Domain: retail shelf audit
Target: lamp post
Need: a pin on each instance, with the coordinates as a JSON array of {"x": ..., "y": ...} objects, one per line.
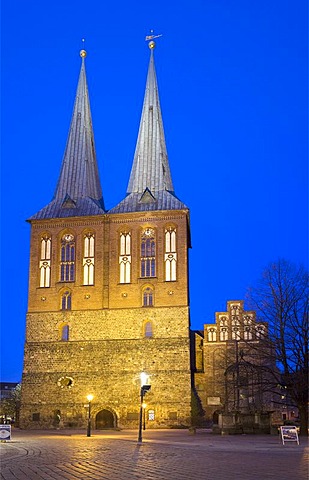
[
  {"x": 144, "y": 415},
  {"x": 144, "y": 388},
  {"x": 89, "y": 398}
]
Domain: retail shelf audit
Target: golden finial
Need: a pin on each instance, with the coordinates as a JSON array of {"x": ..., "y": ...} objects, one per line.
[
  {"x": 83, "y": 52},
  {"x": 150, "y": 37}
]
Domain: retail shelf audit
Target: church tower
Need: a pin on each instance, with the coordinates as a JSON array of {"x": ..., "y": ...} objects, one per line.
[{"x": 108, "y": 290}]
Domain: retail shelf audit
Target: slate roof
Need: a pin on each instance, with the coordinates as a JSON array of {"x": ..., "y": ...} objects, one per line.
[
  {"x": 78, "y": 192},
  {"x": 150, "y": 185}
]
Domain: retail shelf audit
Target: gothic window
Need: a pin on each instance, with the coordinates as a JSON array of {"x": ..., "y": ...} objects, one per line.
[
  {"x": 247, "y": 333},
  {"x": 125, "y": 257},
  {"x": 88, "y": 259},
  {"x": 45, "y": 259},
  {"x": 247, "y": 320},
  {"x": 170, "y": 256},
  {"x": 66, "y": 301},
  {"x": 223, "y": 334},
  {"x": 260, "y": 331},
  {"x": 148, "y": 329},
  {"x": 212, "y": 335},
  {"x": 223, "y": 321},
  {"x": 65, "y": 333},
  {"x": 235, "y": 333},
  {"x": 67, "y": 258},
  {"x": 148, "y": 253},
  {"x": 148, "y": 297}
]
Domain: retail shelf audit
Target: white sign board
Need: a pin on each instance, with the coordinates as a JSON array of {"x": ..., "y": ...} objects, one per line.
[
  {"x": 5, "y": 432},
  {"x": 289, "y": 434}
]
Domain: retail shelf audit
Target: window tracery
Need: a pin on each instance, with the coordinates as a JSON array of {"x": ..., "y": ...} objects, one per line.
[
  {"x": 125, "y": 257},
  {"x": 67, "y": 258},
  {"x": 45, "y": 261},
  {"x": 170, "y": 256},
  {"x": 148, "y": 253},
  {"x": 88, "y": 259}
]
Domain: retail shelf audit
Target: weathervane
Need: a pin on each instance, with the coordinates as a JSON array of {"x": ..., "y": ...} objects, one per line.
[
  {"x": 150, "y": 37},
  {"x": 83, "y": 52}
]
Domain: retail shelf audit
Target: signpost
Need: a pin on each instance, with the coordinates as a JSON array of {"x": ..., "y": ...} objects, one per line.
[
  {"x": 289, "y": 434},
  {"x": 5, "y": 433}
]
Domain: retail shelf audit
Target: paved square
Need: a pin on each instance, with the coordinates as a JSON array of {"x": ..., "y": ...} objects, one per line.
[{"x": 163, "y": 455}]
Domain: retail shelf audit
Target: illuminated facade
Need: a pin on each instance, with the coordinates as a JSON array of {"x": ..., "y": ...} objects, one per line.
[{"x": 108, "y": 290}]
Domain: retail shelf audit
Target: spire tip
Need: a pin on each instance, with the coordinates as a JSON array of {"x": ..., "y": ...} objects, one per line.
[{"x": 83, "y": 53}]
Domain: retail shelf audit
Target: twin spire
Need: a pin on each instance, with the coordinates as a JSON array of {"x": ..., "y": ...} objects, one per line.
[{"x": 78, "y": 191}]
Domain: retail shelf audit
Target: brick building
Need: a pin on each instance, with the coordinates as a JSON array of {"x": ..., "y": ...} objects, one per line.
[
  {"x": 108, "y": 290},
  {"x": 232, "y": 364}
]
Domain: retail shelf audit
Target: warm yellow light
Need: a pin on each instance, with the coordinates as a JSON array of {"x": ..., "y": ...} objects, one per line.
[
  {"x": 144, "y": 405},
  {"x": 89, "y": 398},
  {"x": 144, "y": 378}
]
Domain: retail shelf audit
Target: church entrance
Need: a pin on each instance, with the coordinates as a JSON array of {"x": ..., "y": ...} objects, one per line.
[{"x": 104, "y": 419}]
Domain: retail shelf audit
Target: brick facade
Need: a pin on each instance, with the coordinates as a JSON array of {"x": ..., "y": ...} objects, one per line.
[{"x": 107, "y": 348}]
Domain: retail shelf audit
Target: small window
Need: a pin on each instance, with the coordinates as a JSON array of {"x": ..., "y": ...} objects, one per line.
[
  {"x": 148, "y": 329},
  {"x": 66, "y": 301},
  {"x": 148, "y": 297},
  {"x": 35, "y": 417},
  {"x": 65, "y": 333}
]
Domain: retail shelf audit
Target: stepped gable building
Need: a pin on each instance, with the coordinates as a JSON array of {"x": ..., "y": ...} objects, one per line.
[
  {"x": 231, "y": 363},
  {"x": 108, "y": 290}
]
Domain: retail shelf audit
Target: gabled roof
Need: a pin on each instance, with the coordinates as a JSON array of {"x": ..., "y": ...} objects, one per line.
[
  {"x": 78, "y": 191},
  {"x": 150, "y": 185}
]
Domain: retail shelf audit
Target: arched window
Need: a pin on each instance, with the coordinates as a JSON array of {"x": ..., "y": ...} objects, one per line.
[
  {"x": 223, "y": 334},
  {"x": 235, "y": 333},
  {"x": 260, "y": 331},
  {"x": 148, "y": 253},
  {"x": 148, "y": 329},
  {"x": 67, "y": 258},
  {"x": 247, "y": 333},
  {"x": 212, "y": 335},
  {"x": 45, "y": 259},
  {"x": 65, "y": 333},
  {"x": 170, "y": 256},
  {"x": 148, "y": 297},
  {"x": 125, "y": 257},
  {"x": 66, "y": 301},
  {"x": 88, "y": 259}
]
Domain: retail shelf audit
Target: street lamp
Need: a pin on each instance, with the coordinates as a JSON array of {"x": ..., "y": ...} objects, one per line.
[
  {"x": 89, "y": 398},
  {"x": 144, "y": 389}
]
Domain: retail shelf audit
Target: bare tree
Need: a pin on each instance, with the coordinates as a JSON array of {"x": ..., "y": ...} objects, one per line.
[{"x": 280, "y": 298}]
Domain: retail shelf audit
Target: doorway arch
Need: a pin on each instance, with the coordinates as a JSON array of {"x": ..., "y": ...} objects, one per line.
[{"x": 104, "y": 419}]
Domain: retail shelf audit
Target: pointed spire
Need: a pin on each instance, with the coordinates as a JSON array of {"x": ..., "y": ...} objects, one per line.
[
  {"x": 78, "y": 190},
  {"x": 150, "y": 165},
  {"x": 150, "y": 186},
  {"x": 79, "y": 175}
]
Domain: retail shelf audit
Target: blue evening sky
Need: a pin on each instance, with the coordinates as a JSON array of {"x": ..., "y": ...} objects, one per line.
[{"x": 233, "y": 88}]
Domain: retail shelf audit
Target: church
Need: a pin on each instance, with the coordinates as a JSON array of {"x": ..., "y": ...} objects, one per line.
[{"x": 108, "y": 300}]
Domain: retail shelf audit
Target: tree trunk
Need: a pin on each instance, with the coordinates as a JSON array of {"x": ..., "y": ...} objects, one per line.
[{"x": 303, "y": 416}]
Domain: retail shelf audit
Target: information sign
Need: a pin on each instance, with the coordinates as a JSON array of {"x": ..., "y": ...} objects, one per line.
[
  {"x": 289, "y": 434},
  {"x": 5, "y": 432}
]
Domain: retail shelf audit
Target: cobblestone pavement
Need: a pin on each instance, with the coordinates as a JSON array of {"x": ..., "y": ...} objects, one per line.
[{"x": 163, "y": 455}]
